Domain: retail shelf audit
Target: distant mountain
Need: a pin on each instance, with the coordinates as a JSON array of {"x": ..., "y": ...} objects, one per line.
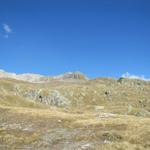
[
  {"x": 30, "y": 77},
  {"x": 24, "y": 77},
  {"x": 71, "y": 75}
]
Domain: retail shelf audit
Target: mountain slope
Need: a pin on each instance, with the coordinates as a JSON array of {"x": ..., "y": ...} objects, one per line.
[
  {"x": 72, "y": 112},
  {"x": 123, "y": 93}
]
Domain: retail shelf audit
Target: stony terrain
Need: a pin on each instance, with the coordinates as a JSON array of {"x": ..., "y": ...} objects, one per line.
[{"x": 72, "y": 112}]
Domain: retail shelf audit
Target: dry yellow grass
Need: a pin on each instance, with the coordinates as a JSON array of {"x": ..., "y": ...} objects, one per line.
[
  {"x": 94, "y": 120},
  {"x": 119, "y": 132}
]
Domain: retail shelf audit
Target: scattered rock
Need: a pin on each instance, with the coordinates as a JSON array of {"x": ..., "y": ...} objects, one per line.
[
  {"x": 97, "y": 108},
  {"x": 106, "y": 115},
  {"x": 130, "y": 108},
  {"x": 59, "y": 121},
  {"x": 86, "y": 146},
  {"x": 144, "y": 103},
  {"x": 107, "y": 93},
  {"x": 107, "y": 142},
  {"x": 108, "y": 136},
  {"x": 56, "y": 99}
]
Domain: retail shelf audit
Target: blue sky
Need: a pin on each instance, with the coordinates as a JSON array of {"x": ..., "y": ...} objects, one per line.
[{"x": 96, "y": 37}]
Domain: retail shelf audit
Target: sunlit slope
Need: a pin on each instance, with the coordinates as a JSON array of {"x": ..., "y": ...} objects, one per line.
[
  {"x": 102, "y": 113},
  {"x": 8, "y": 97},
  {"x": 54, "y": 128},
  {"x": 126, "y": 96}
]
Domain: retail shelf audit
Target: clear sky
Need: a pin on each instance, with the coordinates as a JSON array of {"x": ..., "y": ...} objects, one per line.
[{"x": 96, "y": 37}]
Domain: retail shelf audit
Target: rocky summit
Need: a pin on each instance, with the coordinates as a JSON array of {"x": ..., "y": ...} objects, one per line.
[{"x": 72, "y": 112}]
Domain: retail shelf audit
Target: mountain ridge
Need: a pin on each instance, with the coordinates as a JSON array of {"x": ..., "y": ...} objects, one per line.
[
  {"x": 67, "y": 77},
  {"x": 32, "y": 77}
]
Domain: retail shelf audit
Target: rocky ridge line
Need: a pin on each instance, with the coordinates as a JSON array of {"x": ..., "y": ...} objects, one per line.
[{"x": 37, "y": 78}]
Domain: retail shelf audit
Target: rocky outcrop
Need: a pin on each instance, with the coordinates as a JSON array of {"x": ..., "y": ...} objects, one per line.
[
  {"x": 54, "y": 98},
  {"x": 71, "y": 75},
  {"x": 135, "y": 82}
]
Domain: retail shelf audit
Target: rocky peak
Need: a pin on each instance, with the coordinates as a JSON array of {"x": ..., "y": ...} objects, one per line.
[{"x": 72, "y": 76}]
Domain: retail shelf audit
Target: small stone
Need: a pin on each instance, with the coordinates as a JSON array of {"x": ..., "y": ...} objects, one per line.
[
  {"x": 107, "y": 142},
  {"x": 99, "y": 108},
  {"x": 59, "y": 121},
  {"x": 86, "y": 146}
]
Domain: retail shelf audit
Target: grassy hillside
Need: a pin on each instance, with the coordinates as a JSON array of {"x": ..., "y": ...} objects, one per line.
[
  {"x": 124, "y": 96},
  {"x": 102, "y": 113}
]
